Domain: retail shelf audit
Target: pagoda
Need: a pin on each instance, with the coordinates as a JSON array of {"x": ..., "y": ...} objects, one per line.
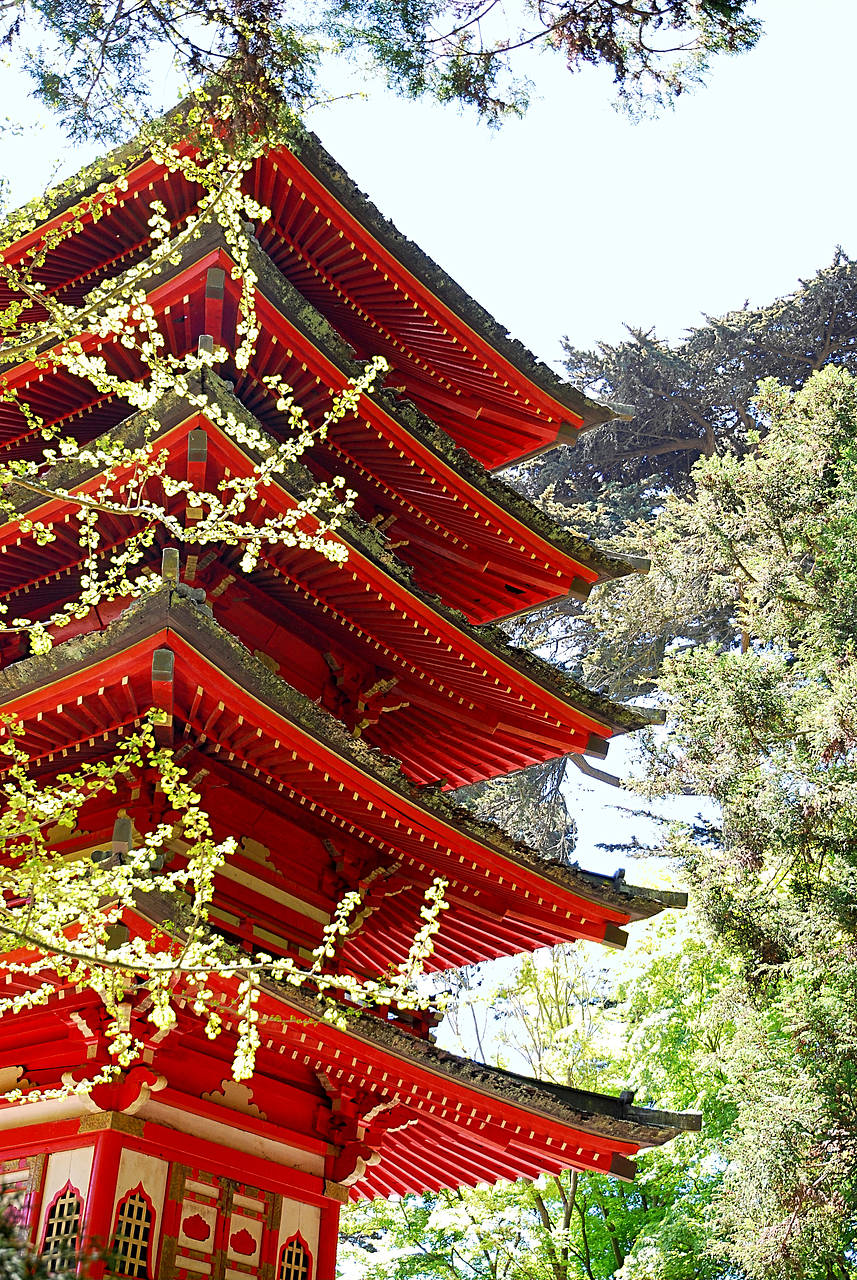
[{"x": 324, "y": 708}]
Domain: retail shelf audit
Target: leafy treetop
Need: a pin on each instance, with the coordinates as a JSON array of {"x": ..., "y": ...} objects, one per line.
[{"x": 91, "y": 63}]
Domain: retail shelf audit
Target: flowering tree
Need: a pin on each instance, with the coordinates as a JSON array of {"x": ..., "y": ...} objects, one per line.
[
  {"x": 61, "y": 919},
  {"x": 119, "y": 310}
]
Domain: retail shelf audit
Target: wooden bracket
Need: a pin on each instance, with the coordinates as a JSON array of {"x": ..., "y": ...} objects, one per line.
[
  {"x": 596, "y": 746},
  {"x": 123, "y": 836},
  {"x": 170, "y": 565},
  {"x": 197, "y": 457}
]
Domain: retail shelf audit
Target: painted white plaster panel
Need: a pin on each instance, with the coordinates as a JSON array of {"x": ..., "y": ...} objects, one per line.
[
  {"x": 65, "y": 1166},
  {"x": 238, "y": 1247},
  {"x": 248, "y": 1202},
  {"x": 194, "y": 1237},
  {"x": 238, "y": 1139},
  {"x": 17, "y": 1115},
  {"x": 208, "y": 1189},
  {"x": 299, "y": 1220},
  {"x": 138, "y": 1169}
]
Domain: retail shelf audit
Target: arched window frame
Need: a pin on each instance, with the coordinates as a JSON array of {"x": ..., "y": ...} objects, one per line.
[
  {"x": 69, "y": 1188},
  {"x": 116, "y": 1269},
  {"x": 298, "y": 1239}
]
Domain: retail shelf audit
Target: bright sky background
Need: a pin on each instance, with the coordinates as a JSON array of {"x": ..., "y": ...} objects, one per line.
[{"x": 576, "y": 219}]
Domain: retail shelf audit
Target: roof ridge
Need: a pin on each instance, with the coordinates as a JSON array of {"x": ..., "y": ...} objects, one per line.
[
  {"x": 399, "y": 407},
  {"x": 580, "y": 1108},
  {"x": 371, "y": 543},
  {"x": 268, "y": 687},
  {"x": 308, "y": 149}
]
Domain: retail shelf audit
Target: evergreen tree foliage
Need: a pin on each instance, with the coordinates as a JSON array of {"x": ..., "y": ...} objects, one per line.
[
  {"x": 745, "y": 1009},
  {"x": 766, "y": 728},
  {"x": 695, "y": 399},
  {"x": 529, "y": 805},
  {"x": 686, "y": 402},
  {"x": 18, "y": 1261},
  {"x": 92, "y": 62}
]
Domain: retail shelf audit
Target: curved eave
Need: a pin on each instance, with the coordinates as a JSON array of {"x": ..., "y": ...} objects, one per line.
[
  {"x": 466, "y": 474},
  {"x": 597, "y": 715},
  {"x": 562, "y": 408},
  {"x": 417, "y": 1118},
  {"x": 493, "y": 514},
  {"x": 37, "y": 684},
  {"x": 442, "y": 297},
  {"x": 402, "y": 423},
  {"x": 493, "y": 1123},
  {"x": 462, "y": 1122}
]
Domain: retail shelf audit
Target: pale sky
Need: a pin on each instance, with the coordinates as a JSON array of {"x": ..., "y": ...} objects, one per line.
[{"x": 576, "y": 220}]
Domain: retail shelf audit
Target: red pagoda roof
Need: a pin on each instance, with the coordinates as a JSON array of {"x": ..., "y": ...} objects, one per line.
[
  {"x": 252, "y": 734},
  {"x": 379, "y": 290},
  {"x": 451, "y": 701},
  {"x": 320, "y": 714},
  {"x": 487, "y": 551},
  {"x": 409, "y": 1116}
]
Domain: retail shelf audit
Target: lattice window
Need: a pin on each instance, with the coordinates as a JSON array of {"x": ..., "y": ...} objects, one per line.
[
  {"x": 61, "y": 1231},
  {"x": 294, "y": 1261},
  {"x": 131, "y": 1240}
]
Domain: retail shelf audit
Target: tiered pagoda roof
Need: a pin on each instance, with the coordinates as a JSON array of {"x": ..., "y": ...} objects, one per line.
[
  {"x": 380, "y": 291},
  {"x": 298, "y": 767},
  {"x": 435, "y": 1119},
  {"x": 323, "y": 709},
  {"x": 445, "y": 514},
  {"x": 452, "y": 701}
]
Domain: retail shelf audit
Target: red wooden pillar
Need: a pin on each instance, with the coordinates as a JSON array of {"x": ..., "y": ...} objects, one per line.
[
  {"x": 98, "y": 1221},
  {"x": 328, "y": 1240}
]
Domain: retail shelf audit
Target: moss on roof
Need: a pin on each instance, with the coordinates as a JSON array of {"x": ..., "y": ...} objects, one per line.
[
  {"x": 365, "y": 539},
  {"x": 597, "y": 1113},
  {"x": 300, "y": 311},
  {"x": 307, "y": 147},
  {"x": 291, "y": 303},
  {"x": 321, "y": 164},
  {"x": 601, "y": 1114},
  {"x": 171, "y": 609}
]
